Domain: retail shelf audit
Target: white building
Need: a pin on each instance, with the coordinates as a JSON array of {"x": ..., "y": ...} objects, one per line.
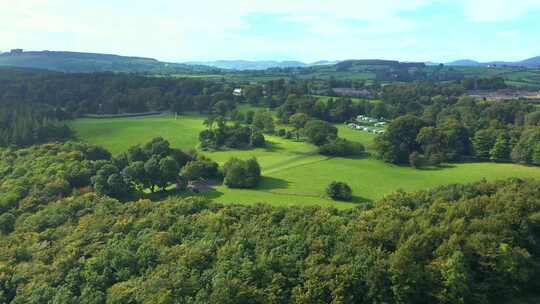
[{"x": 237, "y": 92}]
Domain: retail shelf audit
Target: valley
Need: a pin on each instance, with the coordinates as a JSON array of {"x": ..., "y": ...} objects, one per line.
[{"x": 293, "y": 172}]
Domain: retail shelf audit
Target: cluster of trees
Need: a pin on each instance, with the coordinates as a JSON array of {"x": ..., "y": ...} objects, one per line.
[
  {"x": 55, "y": 170},
  {"x": 150, "y": 166},
  {"x": 341, "y": 147},
  {"x": 412, "y": 98},
  {"x": 24, "y": 125},
  {"x": 226, "y": 135},
  {"x": 492, "y": 83},
  {"x": 241, "y": 173},
  {"x": 519, "y": 143},
  {"x": 155, "y": 165},
  {"x": 261, "y": 121},
  {"x": 332, "y": 110},
  {"x": 457, "y": 244},
  {"x": 322, "y": 134},
  {"x": 467, "y": 128}
]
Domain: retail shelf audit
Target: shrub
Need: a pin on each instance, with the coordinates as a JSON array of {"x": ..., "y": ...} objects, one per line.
[
  {"x": 339, "y": 191},
  {"x": 319, "y": 132},
  {"x": 202, "y": 168},
  {"x": 241, "y": 174},
  {"x": 341, "y": 147},
  {"x": 7, "y": 220}
]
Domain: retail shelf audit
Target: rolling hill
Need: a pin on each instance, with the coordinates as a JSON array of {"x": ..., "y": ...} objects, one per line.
[
  {"x": 76, "y": 62},
  {"x": 533, "y": 62},
  {"x": 242, "y": 65}
]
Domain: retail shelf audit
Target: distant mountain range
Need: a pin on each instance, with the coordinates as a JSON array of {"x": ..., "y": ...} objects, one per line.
[
  {"x": 528, "y": 63},
  {"x": 75, "y": 62},
  {"x": 257, "y": 65}
]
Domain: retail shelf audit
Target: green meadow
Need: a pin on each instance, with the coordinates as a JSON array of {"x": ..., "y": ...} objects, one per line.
[{"x": 293, "y": 172}]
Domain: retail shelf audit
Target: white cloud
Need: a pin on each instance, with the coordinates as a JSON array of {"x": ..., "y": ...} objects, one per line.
[
  {"x": 210, "y": 29},
  {"x": 508, "y": 34},
  {"x": 498, "y": 10},
  {"x": 180, "y": 28}
]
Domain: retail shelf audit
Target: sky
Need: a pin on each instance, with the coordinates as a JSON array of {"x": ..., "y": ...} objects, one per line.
[{"x": 306, "y": 30}]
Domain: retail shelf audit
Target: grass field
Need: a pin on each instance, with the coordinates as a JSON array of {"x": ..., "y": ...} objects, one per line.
[
  {"x": 293, "y": 173},
  {"x": 118, "y": 134}
]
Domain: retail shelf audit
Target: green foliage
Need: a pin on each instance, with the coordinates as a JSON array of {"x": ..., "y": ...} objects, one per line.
[
  {"x": 415, "y": 160},
  {"x": 483, "y": 143},
  {"x": 455, "y": 244},
  {"x": 111, "y": 93},
  {"x": 457, "y": 139},
  {"x": 22, "y": 125},
  {"x": 536, "y": 154},
  {"x": 109, "y": 181},
  {"x": 236, "y": 136},
  {"x": 432, "y": 143},
  {"x": 249, "y": 117},
  {"x": 7, "y": 221},
  {"x": 319, "y": 132},
  {"x": 533, "y": 118},
  {"x": 341, "y": 147},
  {"x": 501, "y": 149},
  {"x": 492, "y": 83},
  {"x": 241, "y": 174},
  {"x": 154, "y": 164},
  {"x": 202, "y": 168},
  {"x": 399, "y": 140},
  {"x": 339, "y": 191},
  {"x": 524, "y": 149},
  {"x": 298, "y": 121},
  {"x": 257, "y": 140},
  {"x": 263, "y": 121}
]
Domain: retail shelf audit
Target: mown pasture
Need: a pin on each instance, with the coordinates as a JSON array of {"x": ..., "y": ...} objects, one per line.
[{"x": 293, "y": 172}]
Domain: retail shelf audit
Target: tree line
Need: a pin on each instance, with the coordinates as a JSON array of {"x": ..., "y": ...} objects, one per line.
[
  {"x": 24, "y": 125},
  {"x": 450, "y": 129}
]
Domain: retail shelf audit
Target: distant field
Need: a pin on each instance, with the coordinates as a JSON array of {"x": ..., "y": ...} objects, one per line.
[
  {"x": 293, "y": 172},
  {"x": 118, "y": 134},
  {"x": 353, "y": 99}
]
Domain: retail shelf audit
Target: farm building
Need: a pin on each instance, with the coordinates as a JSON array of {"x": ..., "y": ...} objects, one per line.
[{"x": 238, "y": 92}]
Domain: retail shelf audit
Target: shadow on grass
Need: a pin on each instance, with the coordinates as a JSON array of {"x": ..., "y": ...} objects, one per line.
[
  {"x": 160, "y": 195},
  {"x": 211, "y": 194},
  {"x": 361, "y": 200},
  {"x": 273, "y": 147},
  {"x": 209, "y": 191},
  {"x": 271, "y": 183},
  {"x": 355, "y": 157},
  {"x": 437, "y": 168}
]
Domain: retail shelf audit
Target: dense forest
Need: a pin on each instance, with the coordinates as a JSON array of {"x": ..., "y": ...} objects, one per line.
[
  {"x": 103, "y": 93},
  {"x": 63, "y": 243}
]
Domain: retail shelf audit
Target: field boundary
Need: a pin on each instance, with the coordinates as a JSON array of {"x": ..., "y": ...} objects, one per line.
[{"x": 123, "y": 115}]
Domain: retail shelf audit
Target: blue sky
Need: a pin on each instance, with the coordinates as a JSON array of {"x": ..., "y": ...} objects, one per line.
[{"x": 307, "y": 30}]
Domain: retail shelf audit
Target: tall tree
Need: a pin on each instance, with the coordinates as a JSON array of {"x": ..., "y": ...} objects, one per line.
[{"x": 501, "y": 149}]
